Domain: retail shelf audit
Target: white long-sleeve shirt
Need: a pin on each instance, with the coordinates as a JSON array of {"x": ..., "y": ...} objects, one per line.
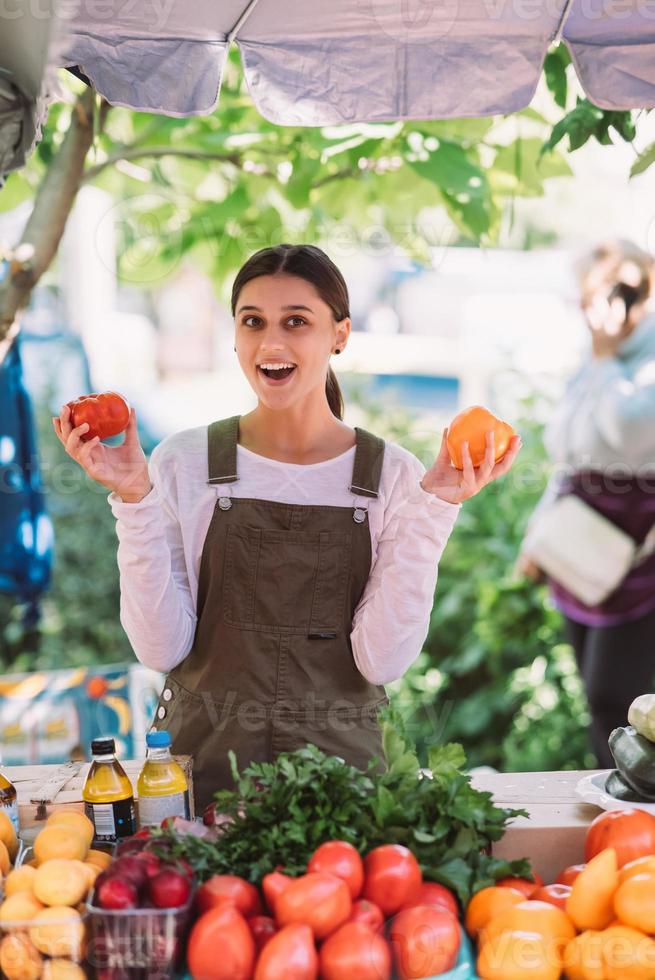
[{"x": 161, "y": 540}]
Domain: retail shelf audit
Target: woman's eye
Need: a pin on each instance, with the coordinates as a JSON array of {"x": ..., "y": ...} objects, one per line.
[{"x": 299, "y": 318}]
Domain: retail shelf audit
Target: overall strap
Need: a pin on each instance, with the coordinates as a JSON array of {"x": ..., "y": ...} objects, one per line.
[
  {"x": 367, "y": 469},
  {"x": 222, "y": 450}
]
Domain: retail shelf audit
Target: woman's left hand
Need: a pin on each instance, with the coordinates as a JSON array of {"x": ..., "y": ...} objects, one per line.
[{"x": 455, "y": 486}]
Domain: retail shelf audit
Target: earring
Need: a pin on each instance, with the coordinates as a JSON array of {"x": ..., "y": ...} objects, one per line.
[
  {"x": 338, "y": 350},
  {"x": 235, "y": 349}
]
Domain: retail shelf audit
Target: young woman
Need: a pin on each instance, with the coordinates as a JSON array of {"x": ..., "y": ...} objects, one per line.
[
  {"x": 601, "y": 436},
  {"x": 280, "y": 566}
]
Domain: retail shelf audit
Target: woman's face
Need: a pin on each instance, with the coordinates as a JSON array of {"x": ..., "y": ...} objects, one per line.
[{"x": 281, "y": 319}]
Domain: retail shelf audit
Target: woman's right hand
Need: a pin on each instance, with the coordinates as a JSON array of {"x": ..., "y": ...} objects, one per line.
[
  {"x": 526, "y": 568},
  {"x": 123, "y": 469}
]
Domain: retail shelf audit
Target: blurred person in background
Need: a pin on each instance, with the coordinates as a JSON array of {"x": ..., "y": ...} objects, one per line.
[{"x": 601, "y": 438}]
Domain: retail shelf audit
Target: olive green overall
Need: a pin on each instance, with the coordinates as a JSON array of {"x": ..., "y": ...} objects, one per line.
[{"x": 271, "y": 667}]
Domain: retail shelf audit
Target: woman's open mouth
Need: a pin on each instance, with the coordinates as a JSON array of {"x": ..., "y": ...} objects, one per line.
[{"x": 276, "y": 376}]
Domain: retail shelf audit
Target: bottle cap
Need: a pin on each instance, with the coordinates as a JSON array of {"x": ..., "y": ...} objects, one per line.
[
  {"x": 103, "y": 746},
  {"x": 158, "y": 740}
]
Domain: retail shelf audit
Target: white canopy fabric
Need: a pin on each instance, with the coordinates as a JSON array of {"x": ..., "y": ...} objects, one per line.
[
  {"x": 26, "y": 78},
  {"x": 319, "y": 63}
]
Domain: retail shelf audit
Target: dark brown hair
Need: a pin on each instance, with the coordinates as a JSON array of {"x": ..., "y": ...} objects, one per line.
[{"x": 312, "y": 264}]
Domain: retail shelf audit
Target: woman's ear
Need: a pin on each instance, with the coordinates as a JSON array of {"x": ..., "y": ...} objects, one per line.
[{"x": 343, "y": 332}]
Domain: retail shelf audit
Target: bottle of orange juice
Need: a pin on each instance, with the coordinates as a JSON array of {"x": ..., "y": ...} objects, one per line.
[
  {"x": 162, "y": 787},
  {"x": 107, "y": 794}
]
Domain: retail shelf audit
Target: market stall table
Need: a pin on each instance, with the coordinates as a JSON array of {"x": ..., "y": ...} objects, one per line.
[{"x": 552, "y": 836}]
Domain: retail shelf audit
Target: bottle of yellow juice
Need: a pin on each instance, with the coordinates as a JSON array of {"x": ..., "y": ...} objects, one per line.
[
  {"x": 162, "y": 787},
  {"x": 107, "y": 794}
]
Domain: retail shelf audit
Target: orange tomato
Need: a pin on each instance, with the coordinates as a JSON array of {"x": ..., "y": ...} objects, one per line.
[
  {"x": 634, "y": 902},
  {"x": 568, "y": 875},
  {"x": 640, "y": 866},
  {"x": 583, "y": 957},
  {"x": 590, "y": 903},
  {"x": 628, "y": 954},
  {"x": 541, "y": 918},
  {"x": 555, "y": 894},
  {"x": 488, "y": 903},
  {"x": 519, "y": 955},
  {"x": 471, "y": 426},
  {"x": 630, "y": 832}
]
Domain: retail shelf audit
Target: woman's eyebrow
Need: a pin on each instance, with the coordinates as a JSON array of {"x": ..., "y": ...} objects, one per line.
[{"x": 308, "y": 308}]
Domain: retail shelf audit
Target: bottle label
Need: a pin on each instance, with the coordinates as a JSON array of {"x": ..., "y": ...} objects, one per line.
[
  {"x": 154, "y": 809},
  {"x": 11, "y": 809},
  {"x": 112, "y": 821}
]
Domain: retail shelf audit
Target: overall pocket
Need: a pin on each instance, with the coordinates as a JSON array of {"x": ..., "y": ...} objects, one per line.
[{"x": 290, "y": 581}]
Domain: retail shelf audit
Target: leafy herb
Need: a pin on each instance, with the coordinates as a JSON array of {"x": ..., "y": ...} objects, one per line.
[{"x": 282, "y": 811}]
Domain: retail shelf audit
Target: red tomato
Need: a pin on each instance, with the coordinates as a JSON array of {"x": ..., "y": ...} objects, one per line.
[
  {"x": 273, "y": 885},
  {"x": 229, "y": 888},
  {"x": 221, "y": 946},
  {"x": 368, "y": 913},
  {"x": 630, "y": 832},
  {"x": 438, "y": 896},
  {"x": 289, "y": 955},
  {"x": 318, "y": 900},
  {"x": 425, "y": 942},
  {"x": 522, "y": 884},
  {"x": 393, "y": 877},
  {"x": 555, "y": 894},
  {"x": 341, "y": 859},
  {"x": 107, "y": 414},
  {"x": 568, "y": 875},
  {"x": 353, "y": 951},
  {"x": 262, "y": 928}
]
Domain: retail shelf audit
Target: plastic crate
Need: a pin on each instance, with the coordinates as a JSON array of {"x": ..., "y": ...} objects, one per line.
[{"x": 138, "y": 944}]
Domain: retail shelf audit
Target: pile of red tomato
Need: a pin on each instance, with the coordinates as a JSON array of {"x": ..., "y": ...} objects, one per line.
[{"x": 345, "y": 918}]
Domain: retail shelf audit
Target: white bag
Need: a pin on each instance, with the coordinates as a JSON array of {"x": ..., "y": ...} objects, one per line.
[{"x": 582, "y": 550}]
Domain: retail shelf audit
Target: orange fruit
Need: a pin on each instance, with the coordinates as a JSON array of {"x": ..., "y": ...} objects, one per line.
[
  {"x": 640, "y": 866},
  {"x": 590, "y": 903},
  {"x": 19, "y": 960},
  {"x": 58, "y": 931},
  {"x": 519, "y": 956},
  {"x": 19, "y": 880},
  {"x": 540, "y": 918},
  {"x": 62, "y": 970},
  {"x": 61, "y": 882},
  {"x": 21, "y": 907},
  {"x": 75, "y": 821},
  {"x": 8, "y": 835},
  {"x": 583, "y": 957},
  {"x": 5, "y": 860},
  {"x": 486, "y": 904},
  {"x": 634, "y": 902},
  {"x": 489, "y": 902},
  {"x": 628, "y": 954},
  {"x": 102, "y": 859},
  {"x": 471, "y": 426},
  {"x": 60, "y": 841}
]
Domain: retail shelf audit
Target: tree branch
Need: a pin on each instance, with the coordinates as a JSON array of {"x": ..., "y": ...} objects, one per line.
[
  {"x": 45, "y": 226},
  {"x": 140, "y": 153}
]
